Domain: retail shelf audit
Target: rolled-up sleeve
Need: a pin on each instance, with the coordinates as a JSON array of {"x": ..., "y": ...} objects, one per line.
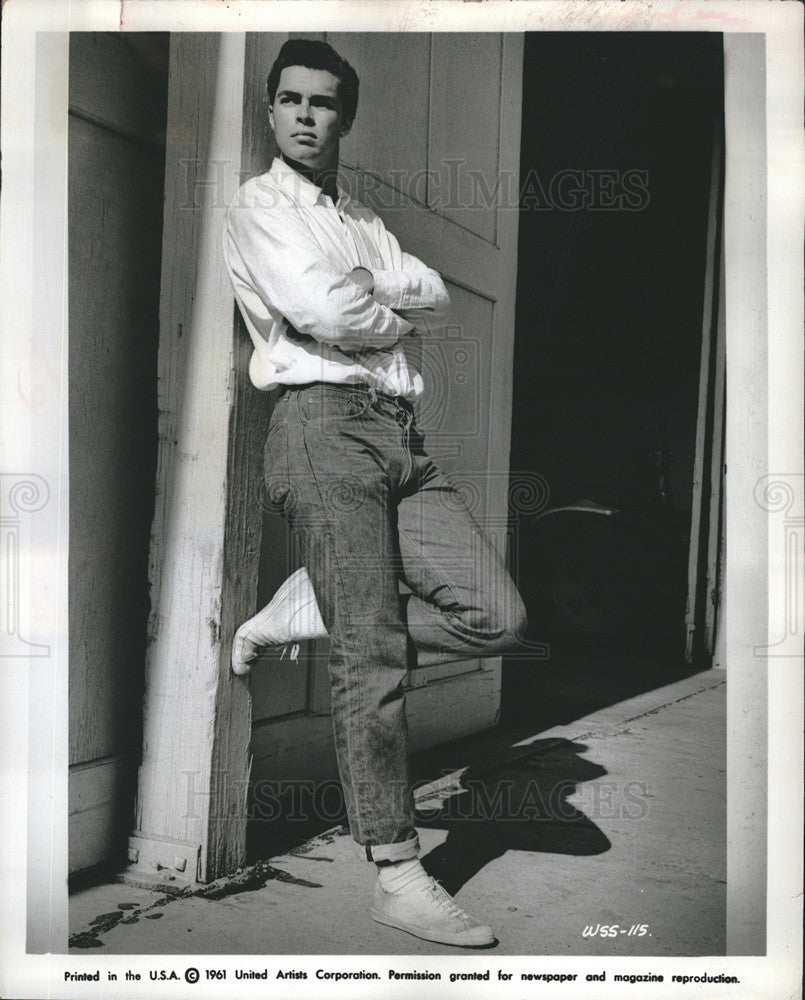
[{"x": 274, "y": 252}]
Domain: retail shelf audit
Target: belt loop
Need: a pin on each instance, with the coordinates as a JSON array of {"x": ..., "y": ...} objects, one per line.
[{"x": 300, "y": 413}]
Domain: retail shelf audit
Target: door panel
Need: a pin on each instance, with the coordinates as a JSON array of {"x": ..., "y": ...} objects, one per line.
[
  {"x": 280, "y": 683},
  {"x": 112, "y": 354},
  {"x": 454, "y": 412},
  {"x": 464, "y": 128},
  {"x": 389, "y": 137}
]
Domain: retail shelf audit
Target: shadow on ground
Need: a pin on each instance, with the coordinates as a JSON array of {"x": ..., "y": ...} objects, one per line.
[
  {"x": 521, "y": 805},
  {"x": 511, "y": 798}
]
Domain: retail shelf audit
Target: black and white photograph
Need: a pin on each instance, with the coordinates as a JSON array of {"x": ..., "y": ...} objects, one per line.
[{"x": 403, "y": 519}]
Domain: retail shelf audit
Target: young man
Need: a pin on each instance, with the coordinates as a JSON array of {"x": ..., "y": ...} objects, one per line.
[{"x": 330, "y": 301}]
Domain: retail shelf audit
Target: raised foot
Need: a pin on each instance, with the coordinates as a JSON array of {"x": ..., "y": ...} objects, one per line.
[{"x": 291, "y": 616}]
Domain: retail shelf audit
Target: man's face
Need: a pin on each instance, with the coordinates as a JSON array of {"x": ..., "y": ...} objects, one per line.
[{"x": 307, "y": 116}]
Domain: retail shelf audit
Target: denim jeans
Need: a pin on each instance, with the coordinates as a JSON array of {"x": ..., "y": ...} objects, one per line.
[{"x": 347, "y": 467}]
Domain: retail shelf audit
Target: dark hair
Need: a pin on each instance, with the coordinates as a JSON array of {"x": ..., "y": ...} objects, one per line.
[{"x": 317, "y": 55}]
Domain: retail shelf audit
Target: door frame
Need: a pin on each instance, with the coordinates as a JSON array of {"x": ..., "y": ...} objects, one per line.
[{"x": 705, "y": 549}]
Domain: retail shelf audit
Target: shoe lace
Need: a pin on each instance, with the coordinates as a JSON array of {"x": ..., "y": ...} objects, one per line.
[{"x": 444, "y": 900}]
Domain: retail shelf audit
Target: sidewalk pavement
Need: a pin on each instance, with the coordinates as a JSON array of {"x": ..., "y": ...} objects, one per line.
[{"x": 616, "y": 819}]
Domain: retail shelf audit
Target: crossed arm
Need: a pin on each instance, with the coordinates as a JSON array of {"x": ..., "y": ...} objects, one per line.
[
  {"x": 420, "y": 306},
  {"x": 410, "y": 288},
  {"x": 276, "y": 255}
]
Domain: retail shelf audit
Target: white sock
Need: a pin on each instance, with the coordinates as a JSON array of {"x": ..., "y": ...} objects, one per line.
[{"x": 401, "y": 875}]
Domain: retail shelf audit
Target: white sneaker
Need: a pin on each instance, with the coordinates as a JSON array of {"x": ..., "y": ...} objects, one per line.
[
  {"x": 427, "y": 911},
  {"x": 292, "y": 615}
]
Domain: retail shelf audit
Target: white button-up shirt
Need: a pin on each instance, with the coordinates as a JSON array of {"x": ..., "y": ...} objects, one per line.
[{"x": 289, "y": 249}]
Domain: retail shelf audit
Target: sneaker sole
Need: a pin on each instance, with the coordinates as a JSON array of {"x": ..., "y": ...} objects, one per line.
[{"x": 462, "y": 942}]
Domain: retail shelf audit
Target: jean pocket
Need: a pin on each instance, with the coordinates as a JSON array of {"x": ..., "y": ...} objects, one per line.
[{"x": 275, "y": 465}]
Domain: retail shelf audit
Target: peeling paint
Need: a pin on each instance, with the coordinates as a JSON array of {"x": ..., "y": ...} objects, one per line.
[{"x": 215, "y": 631}]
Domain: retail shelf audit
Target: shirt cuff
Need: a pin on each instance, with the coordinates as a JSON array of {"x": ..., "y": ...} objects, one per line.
[{"x": 390, "y": 288}]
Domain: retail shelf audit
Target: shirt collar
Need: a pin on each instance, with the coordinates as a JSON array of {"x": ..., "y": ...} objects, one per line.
[{"x": 301, "y": 189}]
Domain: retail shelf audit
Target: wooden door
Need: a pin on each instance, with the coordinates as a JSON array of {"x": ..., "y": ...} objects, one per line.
[{"x": 435, "y": 151}]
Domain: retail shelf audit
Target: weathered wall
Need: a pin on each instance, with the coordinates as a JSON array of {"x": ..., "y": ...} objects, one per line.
[{"x": 116, "y": 155}]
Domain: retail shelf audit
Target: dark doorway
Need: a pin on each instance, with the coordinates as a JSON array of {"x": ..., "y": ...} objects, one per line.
[{"x": 616, "y": 165}]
